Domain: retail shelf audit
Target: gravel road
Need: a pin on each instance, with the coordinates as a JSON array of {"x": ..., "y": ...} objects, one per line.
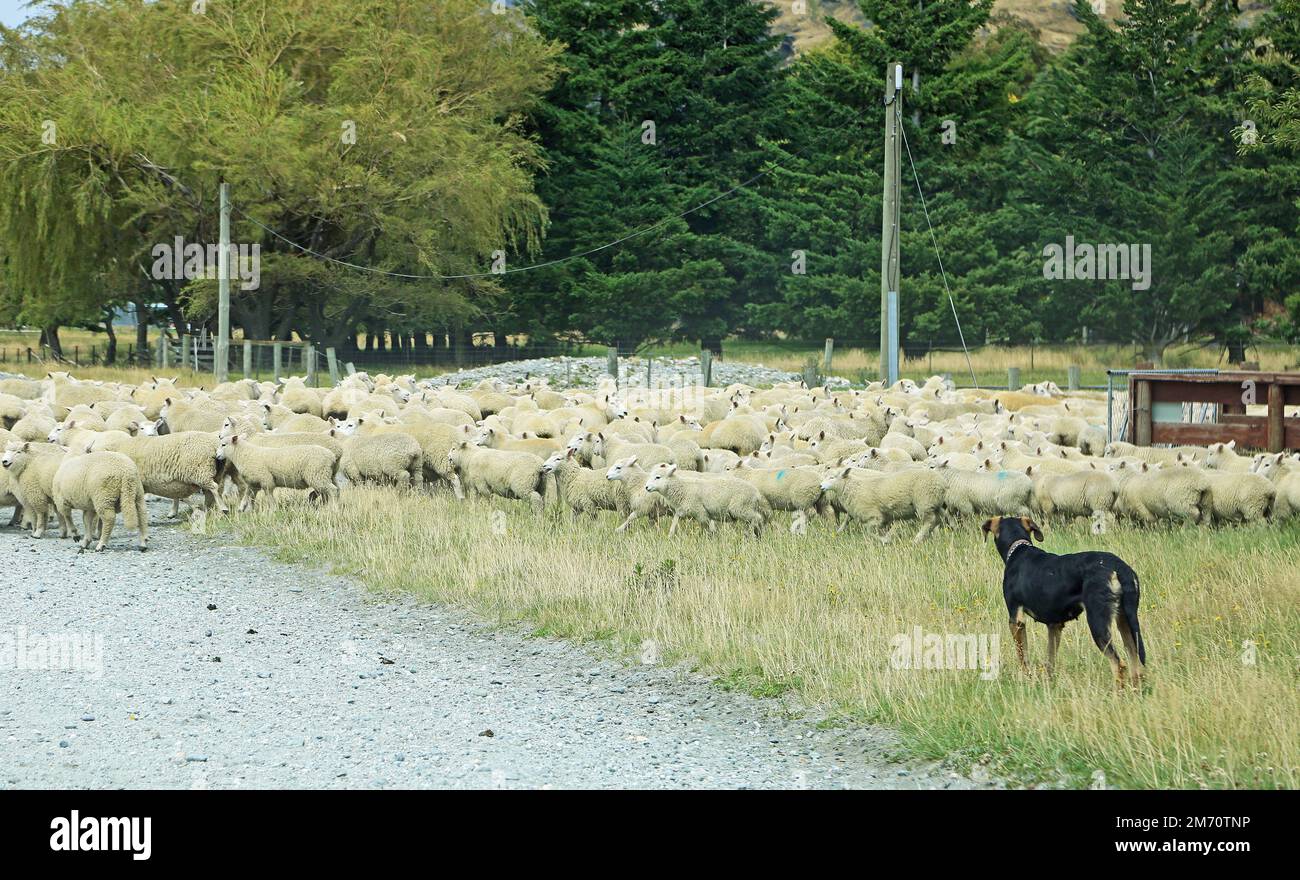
[{"x": 202, "y": 665}]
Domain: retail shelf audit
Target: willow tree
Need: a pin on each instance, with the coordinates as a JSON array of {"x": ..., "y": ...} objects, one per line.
[{"x": 380, "y": 132}]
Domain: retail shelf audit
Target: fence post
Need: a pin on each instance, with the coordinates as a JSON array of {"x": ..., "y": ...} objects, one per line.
[
  {"x": 1142, "y": 414},
  {"x": 810, "y": 372},
  {"x": 248, "y": 359},
  {"x": 830, "y": 350},
  {"x": 351, "y": 368},
  {"x": 276, "y": 351},
  {"x": 706, "y": 366},
  {"x": 649, "y": 370},
  {"x": 1075, "y": 376},
  {"x": 332, "y": 361},
  {"x": 185, "y": 350},
  {"x": 1013, "y": 378},
  {"x": 611, "y": 361},
  {"x": 164, "y": 351},
  {"x": 309, "y": 355}
]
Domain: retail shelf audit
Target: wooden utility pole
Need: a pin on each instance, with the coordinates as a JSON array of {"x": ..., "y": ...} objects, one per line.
[
  {"x": 889, "y": 270},
  {"x": 221, "y": 351}
]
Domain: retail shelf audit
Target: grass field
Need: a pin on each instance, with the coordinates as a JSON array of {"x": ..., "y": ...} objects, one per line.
[
  {"x": 856, "y": 363},
  {"x": 815, "y": 615}
]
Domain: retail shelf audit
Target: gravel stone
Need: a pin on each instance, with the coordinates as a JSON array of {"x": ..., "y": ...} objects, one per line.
[{"x": 309, "y": 703}]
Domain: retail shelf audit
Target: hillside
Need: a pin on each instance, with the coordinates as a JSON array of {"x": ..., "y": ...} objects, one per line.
[{"x": 1054, "y": 20}]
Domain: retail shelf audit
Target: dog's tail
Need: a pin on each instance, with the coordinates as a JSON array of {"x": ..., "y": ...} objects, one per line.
[{"x": 1128, "y": 601}]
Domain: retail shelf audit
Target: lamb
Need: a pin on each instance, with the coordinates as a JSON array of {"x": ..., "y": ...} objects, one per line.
[
  {"x": 266, "y": 468},
  {"x": 31, "y": 469},
  {"x": 582, "y": 489},
  {"x": 302, "y": 438},
  {"x": 987, "y": 494},
  {"x": 894, "y": 440},
  {"x": 649, "y": 454},
  {"x": 66, "y": 392},
  {"x": 1238, "y": 497},
  {"x": 797, "y": 489},
  {"x": 11, "y": 410},
  {"x": 1087, "y": 493},
  {"x": 739, "y": 434},
  {"x": 633, "y": 499},
  {"x": 394, "y": 457},
  {"x": 542, "y": 447},
  {"x": 1092, "y": 440},
  {"x": 1224, "y": 457},
  {"x": 100, "y": 484},
  {"x": 303, "y": 423},
  {"x": 716, "y": 461},
  {"x": 33, "y": 427},
  {"x": 153, "y": 396},
  {"x": 496, "y": 472},
  {"x": 1284, "y": 474},
  {"x": 1152, "y": 454},
  {"x": 176, "y": 466},
  {"x": 121, "y": 418},
  {"x": 297, "y": 397},
  {"x": 1149, "y": 494},
  {"x": 881, "y": 499},
  {"x": 706, "y": 499}
]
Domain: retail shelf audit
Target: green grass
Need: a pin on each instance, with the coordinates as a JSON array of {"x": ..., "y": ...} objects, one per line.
[{"x": 814, "y": 616}]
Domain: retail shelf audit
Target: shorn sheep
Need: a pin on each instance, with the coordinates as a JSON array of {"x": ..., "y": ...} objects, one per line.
[
  {"x": 707, "y": 499},
  {"x": 100, "y": 484}
]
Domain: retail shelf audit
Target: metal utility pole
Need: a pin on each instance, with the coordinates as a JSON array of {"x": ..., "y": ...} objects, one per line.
[
  {"x": 889, "y": 270},
  {"x": 221, "y": 350}
]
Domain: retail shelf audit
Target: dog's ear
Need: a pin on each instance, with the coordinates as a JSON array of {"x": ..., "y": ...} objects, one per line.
[
  {"x": 990, "y": 527},
  {"x": 1032, "y": 528}
]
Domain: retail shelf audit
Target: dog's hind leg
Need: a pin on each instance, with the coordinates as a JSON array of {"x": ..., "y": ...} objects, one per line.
[
  {"x": 1100, "y": 601},
  {"x": 1131, "y": 631},
  {"x": 1054, "y": 631}
]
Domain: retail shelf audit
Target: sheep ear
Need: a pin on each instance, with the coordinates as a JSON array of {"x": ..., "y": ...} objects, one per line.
[
  {"x": 631, "y": 461},
  {"x": 234, "y": 438},
  {"x": 846, "y": 472}
]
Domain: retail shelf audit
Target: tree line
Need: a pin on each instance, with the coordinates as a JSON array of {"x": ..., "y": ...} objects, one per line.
[{"x": 627, "y": 172}]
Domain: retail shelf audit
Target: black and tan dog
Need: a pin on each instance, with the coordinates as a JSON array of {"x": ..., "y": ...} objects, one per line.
[{"x": 1056, "y": 589}]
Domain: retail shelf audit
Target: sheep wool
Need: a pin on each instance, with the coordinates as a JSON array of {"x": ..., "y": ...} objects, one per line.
[
  {"x": 100, "y": 485},
  {"x": 706, "y": 498},
  {"x": 263, "y": 469}
]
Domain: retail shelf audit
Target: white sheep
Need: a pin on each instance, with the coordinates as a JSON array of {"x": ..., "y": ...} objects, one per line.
[
  {"x": 796, "y": 489},
  {"x": 583, "y": 490},
  {"x": 708, "y": 498},
  {"x": 100, "y": 484},
  {"x": 1284, "y": 474},
  {"x": 1150, "y": 494},
  {"x": 988, "y": 494},
  {"x": 1089, "y": 493},
  {"x": 31, "y": 468},
  {"x": 1238, "y": 497},
  {"x": 176, "y": 466},
  {"x": 263, "y": 469},
  {"x": 881, "y": 499},
  {"x": 485, "y": 471},
  {"x": 394, "y": 457},
  {"x": 634, "y": 500}
]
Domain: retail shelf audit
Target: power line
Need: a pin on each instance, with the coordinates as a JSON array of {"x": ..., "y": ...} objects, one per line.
[
  {"x": 935, "y": 242},
  {"x": 437, "y": 277}
]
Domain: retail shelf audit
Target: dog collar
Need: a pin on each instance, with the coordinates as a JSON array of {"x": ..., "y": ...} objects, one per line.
[{"x": 1016, "y": 546}]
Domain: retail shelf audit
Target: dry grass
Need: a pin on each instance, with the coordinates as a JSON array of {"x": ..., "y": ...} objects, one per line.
[{"x": 816, "y": 614}]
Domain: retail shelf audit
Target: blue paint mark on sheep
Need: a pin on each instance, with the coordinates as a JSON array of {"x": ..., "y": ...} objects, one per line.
[{"x": 780, "y": 473}]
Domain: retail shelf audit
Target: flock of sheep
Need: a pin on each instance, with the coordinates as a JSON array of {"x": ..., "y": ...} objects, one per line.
[{"x": 877, "y": 456}]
